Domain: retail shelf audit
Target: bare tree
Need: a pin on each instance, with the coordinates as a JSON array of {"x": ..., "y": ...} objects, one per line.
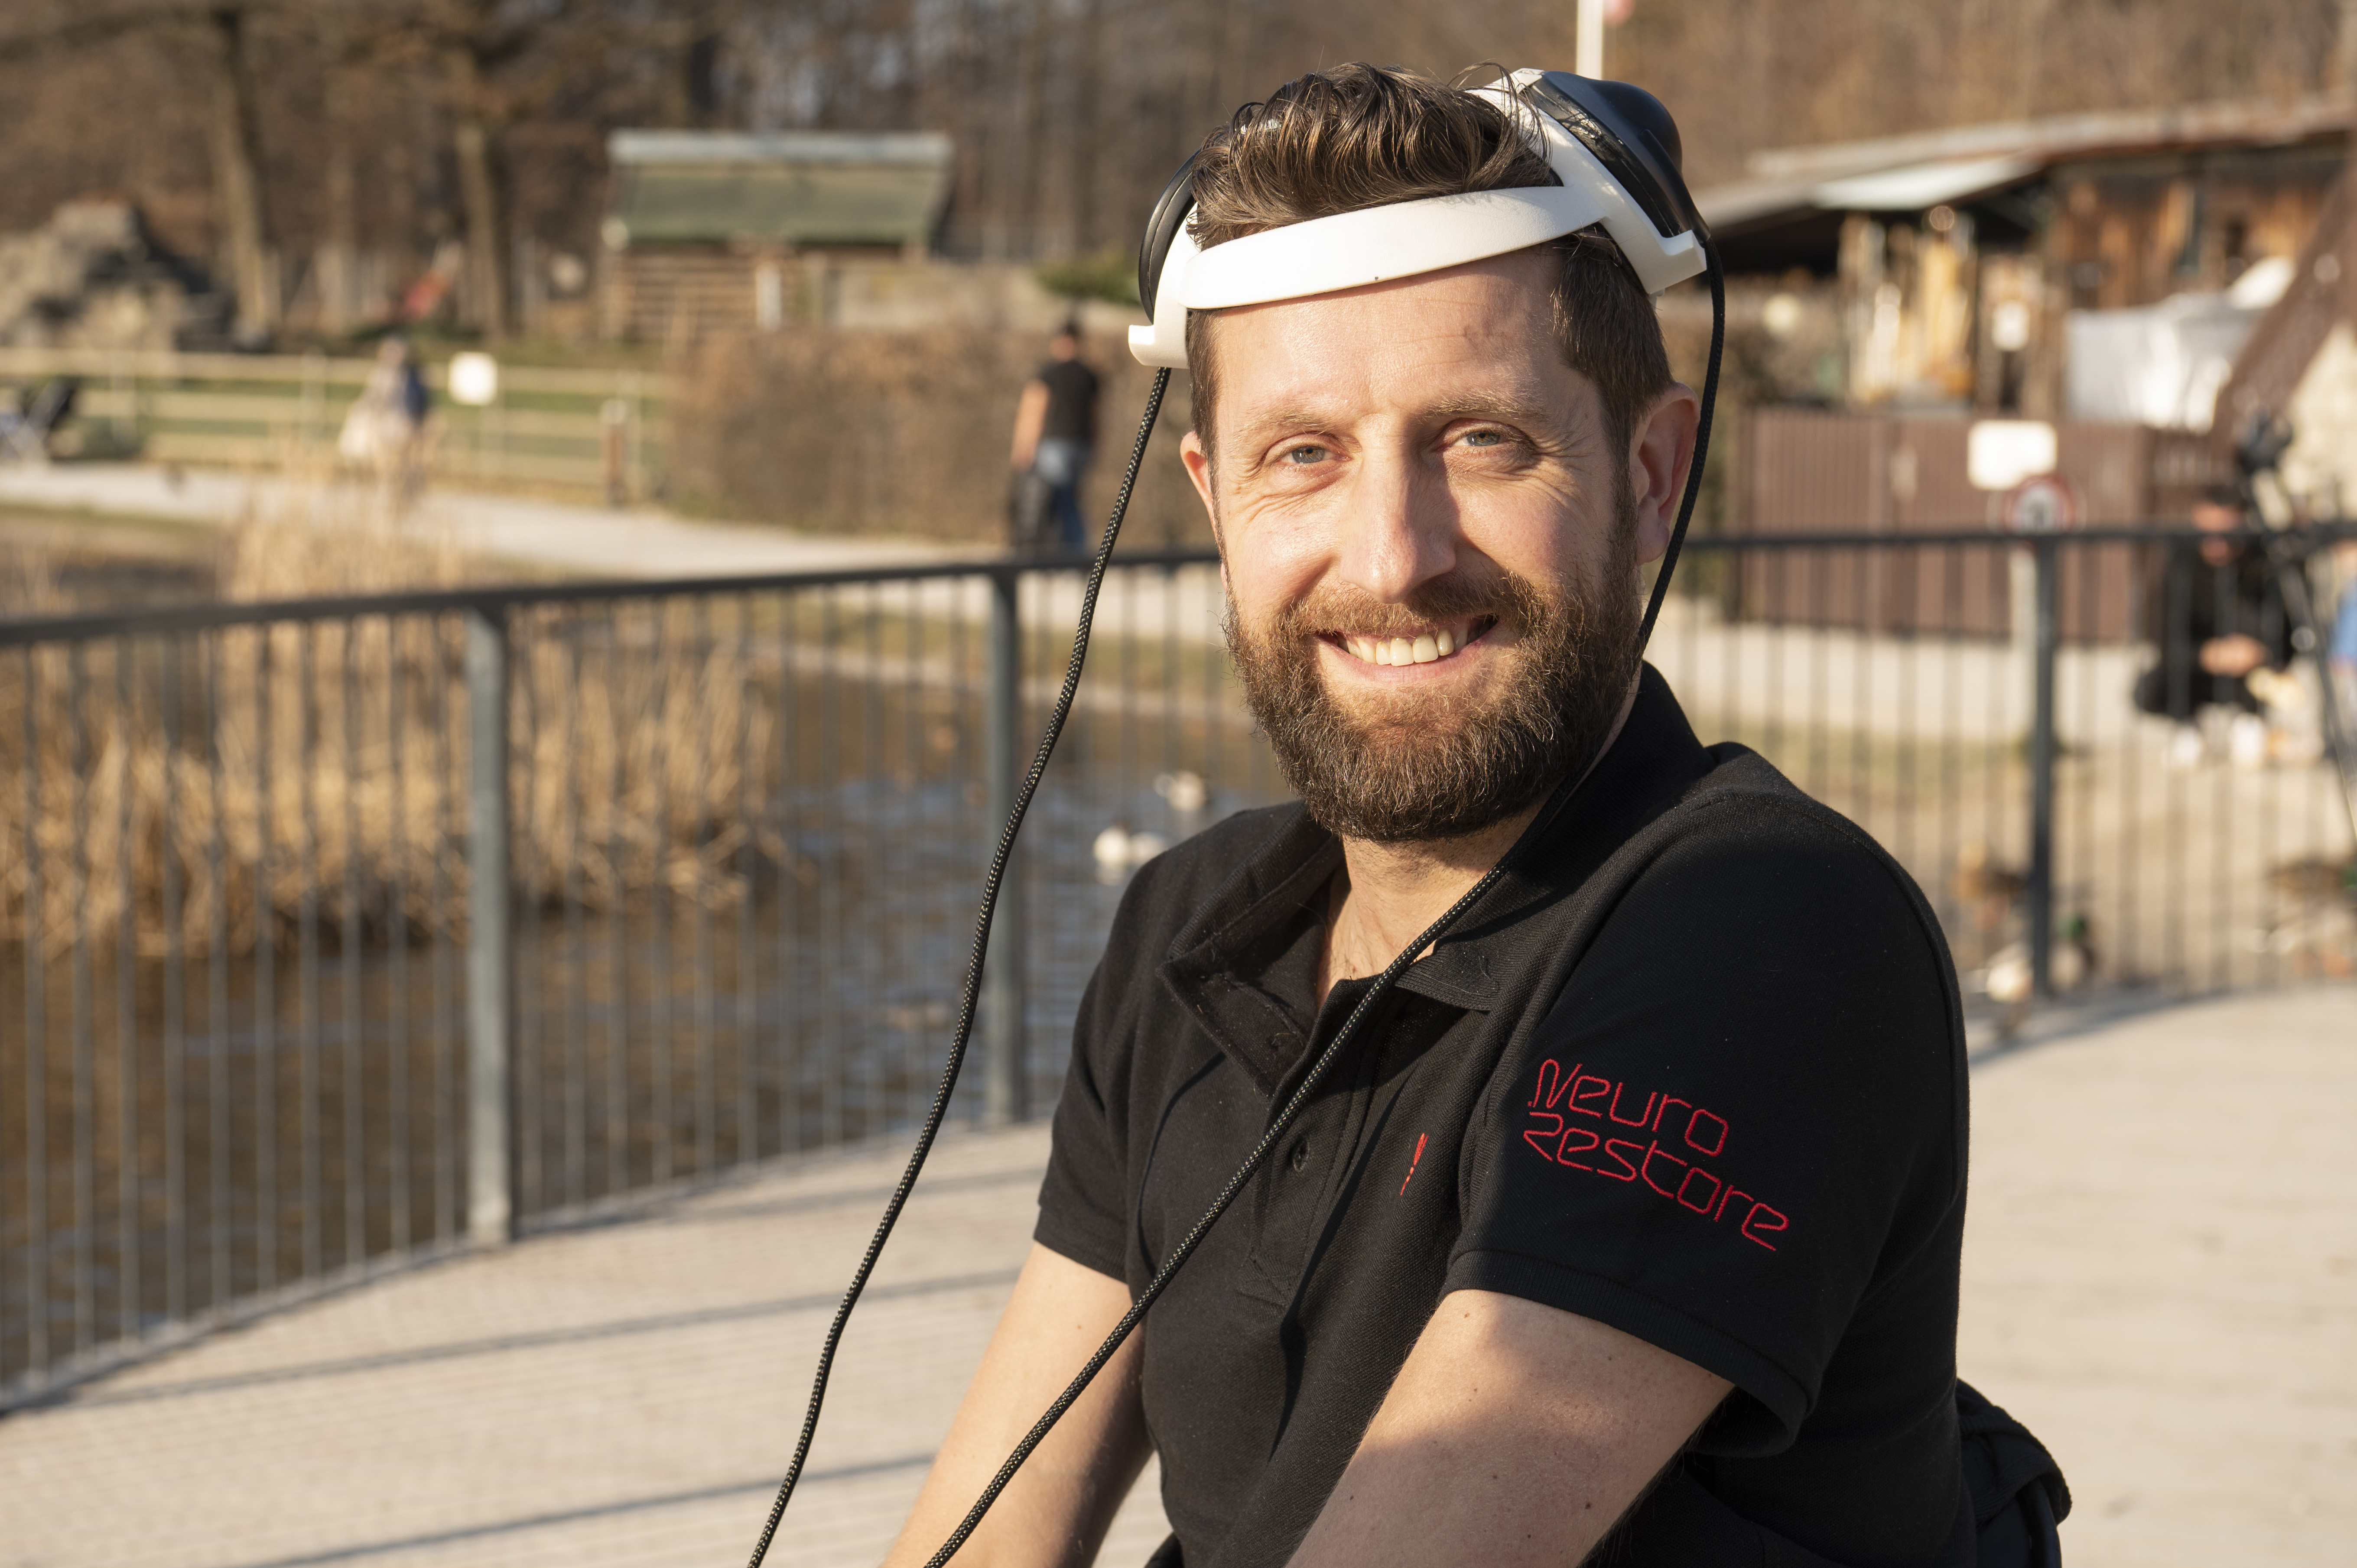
[
  {"x": 237, "y": 177},
  {"x": 328, "y": 121},
  {"x": 337, "y": 249},
  {"x": 241, "y": 234}
]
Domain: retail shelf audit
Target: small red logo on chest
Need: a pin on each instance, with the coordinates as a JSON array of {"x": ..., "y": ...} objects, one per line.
[{"x": 1411, "y": 1164}]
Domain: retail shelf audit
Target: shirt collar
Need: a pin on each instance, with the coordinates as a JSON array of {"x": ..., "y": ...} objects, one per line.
[{"x": 1238, "y": 967}]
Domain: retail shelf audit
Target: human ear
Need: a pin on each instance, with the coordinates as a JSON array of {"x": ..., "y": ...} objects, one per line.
[
  {"x": 1198, "y": 458},
  {"x": 1661, "y": 450}
]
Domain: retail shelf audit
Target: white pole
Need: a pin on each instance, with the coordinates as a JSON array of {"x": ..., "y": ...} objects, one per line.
[{"x": 1588, "y": 43}]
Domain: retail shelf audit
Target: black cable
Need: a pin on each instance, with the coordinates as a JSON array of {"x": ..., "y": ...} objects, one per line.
[
  {"x": 968, "y": 1003},
  {"x": 1310, "y": 1081},
  {"x": 1702, "y": 443}
]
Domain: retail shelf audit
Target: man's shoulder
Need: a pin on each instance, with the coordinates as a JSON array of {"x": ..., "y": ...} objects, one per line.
[
  {"x": 1746, "y": 815},
  {"x": 1746, "y": 867}
]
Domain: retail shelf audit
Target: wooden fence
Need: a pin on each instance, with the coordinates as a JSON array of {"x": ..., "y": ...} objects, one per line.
[{"x": 594, "y": 431}]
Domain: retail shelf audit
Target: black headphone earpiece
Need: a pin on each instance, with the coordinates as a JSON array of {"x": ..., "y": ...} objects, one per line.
[
  {"x": 1632, "y": 134},
  {"x": 1170, "y": 211}
]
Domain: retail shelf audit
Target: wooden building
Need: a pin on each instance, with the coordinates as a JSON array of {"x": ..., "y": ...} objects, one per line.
[
  {"x": 1951, "y": 258},
  {"x": 711, "y": 232},
  {"x": 1951, "y": 276}
]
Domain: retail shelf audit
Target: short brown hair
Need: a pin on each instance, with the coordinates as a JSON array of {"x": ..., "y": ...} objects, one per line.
[{"x": 1364, "y": 135}]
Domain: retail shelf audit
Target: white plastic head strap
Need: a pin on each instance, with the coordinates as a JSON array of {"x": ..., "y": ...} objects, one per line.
[{"x": 1350, "y": 249}]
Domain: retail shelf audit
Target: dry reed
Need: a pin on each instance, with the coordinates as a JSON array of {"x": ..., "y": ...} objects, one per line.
[{"x": 220, "y": 786}]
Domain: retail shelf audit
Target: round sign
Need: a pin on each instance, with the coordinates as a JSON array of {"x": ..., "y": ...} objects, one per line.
[{"x": 2045, "y": 504}]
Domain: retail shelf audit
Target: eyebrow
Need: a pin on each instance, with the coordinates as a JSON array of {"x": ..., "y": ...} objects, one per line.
[
  {"x": 1466, "y": 406},
  {"x": 1491, "y": 405}
]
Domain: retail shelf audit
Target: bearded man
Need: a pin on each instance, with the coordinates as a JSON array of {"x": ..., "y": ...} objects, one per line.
[{"x": 1634, "y": 1213}]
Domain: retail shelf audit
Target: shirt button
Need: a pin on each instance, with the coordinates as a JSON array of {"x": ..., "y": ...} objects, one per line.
[{"x": 1300, "y": 1155}]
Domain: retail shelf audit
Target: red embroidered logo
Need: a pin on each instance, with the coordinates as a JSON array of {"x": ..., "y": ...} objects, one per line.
[
  {"x": 1679, "y": 1176},
  {"x": 1411, "y": 1164}
]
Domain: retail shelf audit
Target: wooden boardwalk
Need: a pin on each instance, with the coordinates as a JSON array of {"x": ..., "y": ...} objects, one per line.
[{"x": 2161, "y": 1278}]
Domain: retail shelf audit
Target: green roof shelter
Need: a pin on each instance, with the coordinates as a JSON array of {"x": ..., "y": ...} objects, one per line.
[{"x": 796, "y": 188}]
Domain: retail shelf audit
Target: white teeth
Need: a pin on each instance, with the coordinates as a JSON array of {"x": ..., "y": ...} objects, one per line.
[{"x": 1391, "y": 650}]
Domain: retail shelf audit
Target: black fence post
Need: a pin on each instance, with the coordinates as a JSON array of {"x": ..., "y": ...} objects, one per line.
[
  {"x": 490, "y": 978},
  {"x": 1005, "y": 1088},
  {"x": 2040, "y": 903}
]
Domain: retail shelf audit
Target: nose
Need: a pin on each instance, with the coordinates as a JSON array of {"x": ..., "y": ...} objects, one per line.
[{"x": 1399, "y": 527}]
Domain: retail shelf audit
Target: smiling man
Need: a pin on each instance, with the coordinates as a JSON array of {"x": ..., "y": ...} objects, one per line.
[{"x": 1631, "y": 1219}]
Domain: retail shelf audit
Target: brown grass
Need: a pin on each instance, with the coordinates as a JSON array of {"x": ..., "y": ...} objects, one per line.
[
  {"x": 172, "y": 825},
  {"x": 905, "y": 433}
]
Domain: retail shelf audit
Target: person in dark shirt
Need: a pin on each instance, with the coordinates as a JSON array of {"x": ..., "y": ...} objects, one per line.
[
  {"x": 1055, "y": 431},
  {"x": 2220, "y": 619},
  {"x": 1628, "y": 1229}
]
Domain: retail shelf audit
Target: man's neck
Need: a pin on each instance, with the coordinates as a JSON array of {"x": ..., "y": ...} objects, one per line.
[{"x": 1387, "y": 894}]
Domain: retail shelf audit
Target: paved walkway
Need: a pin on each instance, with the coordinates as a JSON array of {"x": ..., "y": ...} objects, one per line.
[
  {"x": 639, "y": 543},
  {"x": 2161, "y": 1278},
  {"x": 621, "y": 542},
  {"x": 617, "y": 1395}
]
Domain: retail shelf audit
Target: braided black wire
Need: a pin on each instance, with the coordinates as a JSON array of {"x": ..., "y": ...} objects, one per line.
[
  {"x": 973, "y": 995},
  {"x": 1702, "y": 445},
  {"x": 1556, "y": 803}
]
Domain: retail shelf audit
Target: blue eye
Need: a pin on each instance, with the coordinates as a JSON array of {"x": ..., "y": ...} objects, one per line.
[
  {"x": 1302, "y": 456},
  {"x": 1484, "y": 437}
]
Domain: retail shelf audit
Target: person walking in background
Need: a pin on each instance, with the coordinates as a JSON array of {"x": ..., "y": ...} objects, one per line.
[
  {"x": 384, "y": 430},
  {"x": 2221, "y": 621},
  {"x": 1054, "y": 430}
]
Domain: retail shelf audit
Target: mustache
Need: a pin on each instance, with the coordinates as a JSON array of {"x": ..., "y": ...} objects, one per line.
[{"x": 1344, "y": 609}]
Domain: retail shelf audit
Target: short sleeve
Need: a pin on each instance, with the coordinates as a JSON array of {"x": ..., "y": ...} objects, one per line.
[
  {"x": 1082, "y": 1205},
  {"x": 1743, "y": 1112}
]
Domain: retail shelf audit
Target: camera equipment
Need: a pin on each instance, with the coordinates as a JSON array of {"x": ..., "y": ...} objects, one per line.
[
  {"x": 2258, "y": 457},
  {"x": 1616, "y": 150}
]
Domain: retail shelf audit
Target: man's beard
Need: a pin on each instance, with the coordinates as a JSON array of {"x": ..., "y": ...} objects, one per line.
[{"x": 1421, "y": 765}]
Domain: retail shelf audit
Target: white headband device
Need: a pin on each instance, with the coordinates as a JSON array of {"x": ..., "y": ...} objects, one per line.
[{"x": 1374, "y": 244}]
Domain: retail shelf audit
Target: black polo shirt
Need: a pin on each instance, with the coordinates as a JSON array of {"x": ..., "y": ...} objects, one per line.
[
  {"x": 1072, "y": 413},
  {"x": 1696, "y": 1071}
]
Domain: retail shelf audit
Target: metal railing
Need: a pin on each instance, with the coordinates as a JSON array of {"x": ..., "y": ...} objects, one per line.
[
  {"x": 263, "y": 1030},
  {"x": 2028, "y": 726}
]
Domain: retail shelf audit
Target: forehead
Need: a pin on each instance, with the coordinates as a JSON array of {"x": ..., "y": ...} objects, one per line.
[{"x": 1482, "y": 329}]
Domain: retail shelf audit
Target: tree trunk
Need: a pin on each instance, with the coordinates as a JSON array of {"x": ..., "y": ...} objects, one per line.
[
  {"x": 334, "y": 265},
  {"x": 1035, "y": 130},
  {"x": 237, "y": 182},
  {"x": 1085, "y": 125},
  {"x": 478, "y": 194}
]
